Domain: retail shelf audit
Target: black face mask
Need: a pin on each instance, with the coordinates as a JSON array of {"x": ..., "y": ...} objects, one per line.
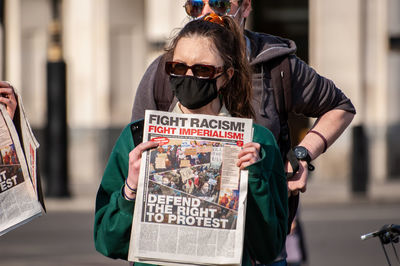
[{"x": 193, "y": 92}]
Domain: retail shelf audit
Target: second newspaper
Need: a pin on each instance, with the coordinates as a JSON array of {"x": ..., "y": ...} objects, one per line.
[{"x": 190, "y": 206}]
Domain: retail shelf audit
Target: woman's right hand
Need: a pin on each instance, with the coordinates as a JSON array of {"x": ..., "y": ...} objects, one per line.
[
  {"x": 7, "y": 97},
  {"x": 135, "y": 157}
]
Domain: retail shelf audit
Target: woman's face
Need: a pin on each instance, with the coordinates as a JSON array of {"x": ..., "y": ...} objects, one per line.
[{"x": 198, "y": 50}]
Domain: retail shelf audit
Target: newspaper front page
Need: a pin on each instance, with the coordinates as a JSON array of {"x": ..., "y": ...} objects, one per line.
[
  {"x": 190, "y": 205},
  {"x": 18, "y": 194},
  {"x": 30, "y": 147}
]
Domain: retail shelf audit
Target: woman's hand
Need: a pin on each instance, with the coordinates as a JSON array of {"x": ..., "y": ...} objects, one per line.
[
  {"x": 7, "y": 97},
  {"x": 135, "y": 157},
  {"x": 248, "y": 155}
]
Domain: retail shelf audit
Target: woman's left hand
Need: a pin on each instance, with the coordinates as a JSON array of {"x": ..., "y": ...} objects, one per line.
[
  {"x": 248, "y": 155},
  {"x": 298, "y": 182},
  {"x": 7, "y": 97}
]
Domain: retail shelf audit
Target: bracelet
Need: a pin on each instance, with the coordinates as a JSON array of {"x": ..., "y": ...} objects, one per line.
[
  {"x": 126, "y": 196},
  {"x": 322, "y": 137},
  {"x": 132, "y": 190}
]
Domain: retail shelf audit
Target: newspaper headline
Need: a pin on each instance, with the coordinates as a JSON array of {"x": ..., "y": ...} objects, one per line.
[{"x": 190, "y": 184}]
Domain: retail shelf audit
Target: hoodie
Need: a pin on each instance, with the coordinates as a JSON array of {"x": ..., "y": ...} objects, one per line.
[
  {"x": 312, "y": 94},
  {"x": 266, "y": 208}
]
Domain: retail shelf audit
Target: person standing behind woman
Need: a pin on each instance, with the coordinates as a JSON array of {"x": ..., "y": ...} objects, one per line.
[
  {"x": 313, "y": 95},
  {"x": 209, "y": 74}
]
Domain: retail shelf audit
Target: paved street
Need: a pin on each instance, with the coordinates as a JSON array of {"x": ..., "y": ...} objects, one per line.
[
  {"x": 332, "y": 234},
  {"x": 333, "y": 221},
  {"x": 58, "y": 238}
]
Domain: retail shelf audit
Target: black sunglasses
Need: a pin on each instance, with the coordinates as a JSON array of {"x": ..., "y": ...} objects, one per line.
[
  {"x": 199, "y": 70},
  {"x": 194, "y": 8}
]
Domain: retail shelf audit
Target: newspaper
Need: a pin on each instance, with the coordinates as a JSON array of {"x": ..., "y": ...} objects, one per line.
[
  {"x": 190, "y": 204},
  {"x": 20, "y": 191},
  {"x": 30, "y": 147}
]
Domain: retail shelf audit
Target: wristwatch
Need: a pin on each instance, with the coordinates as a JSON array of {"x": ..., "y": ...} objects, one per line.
[{"x": 301, "y": 154}]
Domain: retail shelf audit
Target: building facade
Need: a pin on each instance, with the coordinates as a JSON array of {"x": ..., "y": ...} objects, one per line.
[{"x": 107, "y": 45}]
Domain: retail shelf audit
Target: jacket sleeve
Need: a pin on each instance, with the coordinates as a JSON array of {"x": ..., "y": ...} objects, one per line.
[
  {"x": 313, "y": 94},
  {"x": 113, "y": 217},
  {"x": 267, "y": 206}
]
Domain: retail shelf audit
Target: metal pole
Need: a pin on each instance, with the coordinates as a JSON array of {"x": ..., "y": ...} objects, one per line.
[
  {"x": 2, "y": 41},
  {"x": 360, "y": 154},
  {"x": 359, "y": 175}
]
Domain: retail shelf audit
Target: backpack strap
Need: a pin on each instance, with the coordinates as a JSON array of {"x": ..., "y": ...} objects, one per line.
[
  {"x": 282, "y": 84},
  {"x": 281, "y": 79}
]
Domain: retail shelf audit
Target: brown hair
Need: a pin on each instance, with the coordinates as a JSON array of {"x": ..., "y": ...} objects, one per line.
[{"x": 230, "y": 44}]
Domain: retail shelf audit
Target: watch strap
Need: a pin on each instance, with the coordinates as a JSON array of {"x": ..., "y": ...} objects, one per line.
[{"x": 310, "y": 167}]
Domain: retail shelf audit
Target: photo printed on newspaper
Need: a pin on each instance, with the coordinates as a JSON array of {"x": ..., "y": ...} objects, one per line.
[{"x": 190, "y": 204}]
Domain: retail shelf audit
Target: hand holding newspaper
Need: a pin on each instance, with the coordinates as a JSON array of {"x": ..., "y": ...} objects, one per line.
[
  {"x": 20, "y": 193},
  {"x": 191, "y": 199}
]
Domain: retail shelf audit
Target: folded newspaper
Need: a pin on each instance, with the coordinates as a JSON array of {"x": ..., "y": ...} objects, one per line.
[
  {"x": 191, "y": 199},
  {"x": 21, "y": 197}
]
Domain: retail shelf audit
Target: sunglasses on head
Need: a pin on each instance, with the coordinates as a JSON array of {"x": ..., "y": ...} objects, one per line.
[
  {"x": 194, "y": 8},
  {"x": 199, "y": 70}
]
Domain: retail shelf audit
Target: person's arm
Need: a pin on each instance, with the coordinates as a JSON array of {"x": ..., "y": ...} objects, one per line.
[
  {"x": 316, "y": 96},
  {"x": 115, "y": 200},
  {"x": 330, "y": 126},
  {"x": 267, "y": 206},
  {"x": 113, "y": 217}
]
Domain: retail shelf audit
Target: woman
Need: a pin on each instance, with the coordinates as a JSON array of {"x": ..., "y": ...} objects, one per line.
[{"x": 209, "y": 75}]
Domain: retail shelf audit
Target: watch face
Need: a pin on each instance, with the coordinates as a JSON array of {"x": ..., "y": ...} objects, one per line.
[{"x": 300, "y": 152}]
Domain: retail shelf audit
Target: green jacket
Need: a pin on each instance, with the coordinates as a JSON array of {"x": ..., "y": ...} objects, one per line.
[{"x": 266, "y": 213}]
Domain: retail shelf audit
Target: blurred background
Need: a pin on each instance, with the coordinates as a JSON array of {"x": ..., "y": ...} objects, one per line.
[{"x": 77, "y": 64}]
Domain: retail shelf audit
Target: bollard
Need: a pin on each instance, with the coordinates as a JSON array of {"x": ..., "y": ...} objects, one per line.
[
  {"x": 56, "y": 133},
  {"x": 360, "y": 164}
]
